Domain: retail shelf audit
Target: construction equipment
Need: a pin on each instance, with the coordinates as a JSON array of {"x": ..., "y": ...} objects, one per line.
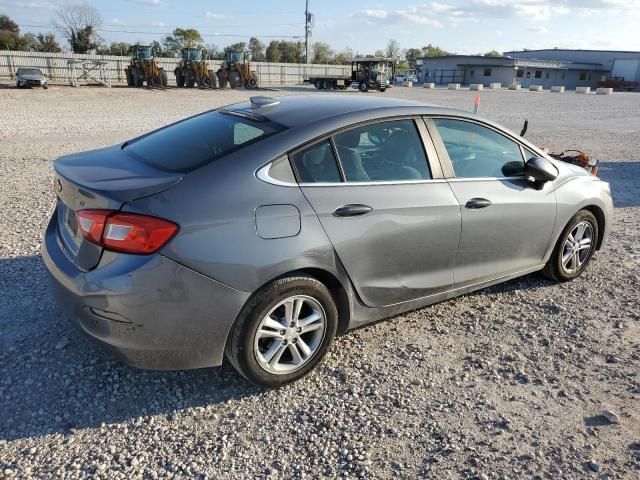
[
  {"x": 193, "y": 69},
  {"x": 236, "y": 69},
  {"x": 143, "y": 68}
]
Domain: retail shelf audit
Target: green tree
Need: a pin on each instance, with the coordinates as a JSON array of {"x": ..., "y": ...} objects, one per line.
[
  {"x": 493, "y": 53},
  {"x": 344, "y": 57},
  {"x": 79, "y": 25},
  {"x": 213, "y": 52},
  {"x": 9, "y": 34},
  {"x": 393, "y": 49},
  {"x": 181, "y": 38},
  {"x": 256, "y": 47},
  {"x": 321, "y": 53},
  {"x": 273, "y": 53},
  {"x": 48, "y": 43},
  {"x": 433, "y": 51},
  {"x": 411, "y": 55},
  {"x": 121, "y": 49},
  {"x": 292, "y": 52},
  {"x": 29, "y": 42}
]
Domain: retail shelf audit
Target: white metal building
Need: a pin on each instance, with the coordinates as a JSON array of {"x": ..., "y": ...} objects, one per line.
[
  {"x": 619, "y": 63},
  {"x": 507, "y": 70}
]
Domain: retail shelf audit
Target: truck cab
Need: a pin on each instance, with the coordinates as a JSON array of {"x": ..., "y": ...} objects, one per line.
[{"x": 373, "y": 73}]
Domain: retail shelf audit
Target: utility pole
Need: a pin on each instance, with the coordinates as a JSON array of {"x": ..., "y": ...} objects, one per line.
[{"x": 306, "y": 32}]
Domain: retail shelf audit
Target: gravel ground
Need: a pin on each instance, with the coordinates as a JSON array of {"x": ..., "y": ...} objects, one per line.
[{"x": 513, "y": 381}]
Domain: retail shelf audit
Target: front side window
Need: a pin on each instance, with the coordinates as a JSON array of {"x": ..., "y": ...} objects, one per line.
[
  {"x": 487, "y": 72},
  {"x": 538, "y": 74},
  {"x": 316, "y": 164},
  {"x": 384, "y": 151},
  {"x": 520, "y": 73},
  {"x": 477, "y": 151}
]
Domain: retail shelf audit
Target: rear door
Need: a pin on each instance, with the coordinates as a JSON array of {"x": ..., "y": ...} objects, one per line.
[
  {"x": 380, "y": 196},
  {"x": 506, "y": 223}
]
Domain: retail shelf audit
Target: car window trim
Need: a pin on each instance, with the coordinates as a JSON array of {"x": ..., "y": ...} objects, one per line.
[
  {"x": 427, "y": 145},
  {"x": 439, "y": 143}
]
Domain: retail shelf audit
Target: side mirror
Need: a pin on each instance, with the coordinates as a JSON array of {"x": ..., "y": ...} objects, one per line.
[{"x": 540, "y": 169}]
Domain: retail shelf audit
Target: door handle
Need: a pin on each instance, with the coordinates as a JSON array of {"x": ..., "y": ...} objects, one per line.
[
  {"x": 352, "y": 210},
  {"x": 477, "y": 203}
]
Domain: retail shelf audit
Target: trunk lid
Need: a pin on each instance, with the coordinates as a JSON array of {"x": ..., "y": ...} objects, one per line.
[{"x": 99, "y": 179}]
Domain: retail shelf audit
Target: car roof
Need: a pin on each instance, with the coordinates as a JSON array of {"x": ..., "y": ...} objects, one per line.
[{"x": 296, "y": 110}]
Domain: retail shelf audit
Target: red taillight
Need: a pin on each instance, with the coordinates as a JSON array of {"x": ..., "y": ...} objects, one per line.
[
  {"x": 91, "y": 224},
  {"x": 125, "y": 232}
]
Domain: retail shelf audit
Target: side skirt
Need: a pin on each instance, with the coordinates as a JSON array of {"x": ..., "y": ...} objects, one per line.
[{"x": 362, "y": 315}]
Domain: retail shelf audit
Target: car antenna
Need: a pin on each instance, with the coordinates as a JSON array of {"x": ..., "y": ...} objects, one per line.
[{"x": 524, "y": 127}]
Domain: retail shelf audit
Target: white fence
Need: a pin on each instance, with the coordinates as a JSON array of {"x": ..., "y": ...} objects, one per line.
[{"x": 55, "y": 66}]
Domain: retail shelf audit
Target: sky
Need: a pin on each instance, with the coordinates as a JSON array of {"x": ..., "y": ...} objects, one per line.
[{"x": 471, "y": 27}]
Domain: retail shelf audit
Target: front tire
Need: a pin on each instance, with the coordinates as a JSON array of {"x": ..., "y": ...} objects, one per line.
[
  {"x": 283, "y": 331},
  {"x": 363, "y": 87},
  {"x": 574, "y": 249}
]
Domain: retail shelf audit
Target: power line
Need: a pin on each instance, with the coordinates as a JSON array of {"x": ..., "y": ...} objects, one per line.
[
  {"x": 111, "y": 24},
  {"x": 104, "y": 30}
]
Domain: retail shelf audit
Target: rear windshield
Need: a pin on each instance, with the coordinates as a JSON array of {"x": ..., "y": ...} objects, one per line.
[{"x": 191, "y": 143}]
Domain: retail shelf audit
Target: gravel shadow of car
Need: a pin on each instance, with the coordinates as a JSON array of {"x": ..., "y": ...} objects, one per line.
[
  {"x": 624, "y": 178},
  {"x": 54, "y": 380}
]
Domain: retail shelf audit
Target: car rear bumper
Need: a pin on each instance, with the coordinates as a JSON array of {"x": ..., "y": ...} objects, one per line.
[{"x": 149, "y": 311}]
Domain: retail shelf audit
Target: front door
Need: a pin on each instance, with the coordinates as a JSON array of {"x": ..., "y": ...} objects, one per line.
[
  {"x": 506, "y": 223},
  {"x": 394, "y": 227}
]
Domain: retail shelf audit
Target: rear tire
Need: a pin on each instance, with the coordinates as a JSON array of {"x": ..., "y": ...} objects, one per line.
[
  {"x": 138, "y": 78},
  {"x": 269, "y": 358},
  {"x": 574, "y": 249},
  {"x": 129, "y": 76},
  {"x": 190, "y": 79},
  {"x": 222, "y": 79}
]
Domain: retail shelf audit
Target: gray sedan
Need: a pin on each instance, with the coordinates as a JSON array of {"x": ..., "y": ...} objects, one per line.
[
  {"x": 31, "y": 77},
  {"x": 260, "y": 230}
]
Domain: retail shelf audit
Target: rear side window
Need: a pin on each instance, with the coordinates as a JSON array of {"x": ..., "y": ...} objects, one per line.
[
  {"x": 316, "y": 164},
  {"x": 191, "y": 143}
]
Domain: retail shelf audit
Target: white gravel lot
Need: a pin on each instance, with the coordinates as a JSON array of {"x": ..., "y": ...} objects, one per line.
[{"x": 508, "y": 382}]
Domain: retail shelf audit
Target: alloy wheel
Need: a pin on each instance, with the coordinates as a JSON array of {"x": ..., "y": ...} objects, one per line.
[
  {"x": 290, "y": 334},
  {"x": 577, "y": 247}
]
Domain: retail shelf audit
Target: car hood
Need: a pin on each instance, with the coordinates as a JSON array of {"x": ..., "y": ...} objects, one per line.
[{"x": 31, "y": 77}]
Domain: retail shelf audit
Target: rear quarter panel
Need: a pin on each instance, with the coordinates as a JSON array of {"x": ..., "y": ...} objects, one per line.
[{"x": 215, "y": 207}]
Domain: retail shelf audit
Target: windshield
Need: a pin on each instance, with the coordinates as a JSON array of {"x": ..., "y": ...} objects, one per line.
[
  {"x": 196, "y": 141},
  {"x": 144, "y": 52},
  {"x": 29, "y": 71},
  {"x": 236, "y": 57},
  {"x": 192, "y": 54}
]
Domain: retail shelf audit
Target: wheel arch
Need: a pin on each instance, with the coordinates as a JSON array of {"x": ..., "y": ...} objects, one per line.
[
  {"x": 328, "y": 279},
  {"x": 600, "y": 218}
]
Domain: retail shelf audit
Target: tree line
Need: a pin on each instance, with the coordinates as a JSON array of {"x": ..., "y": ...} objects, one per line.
[{"x": 79, "y": 25}]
